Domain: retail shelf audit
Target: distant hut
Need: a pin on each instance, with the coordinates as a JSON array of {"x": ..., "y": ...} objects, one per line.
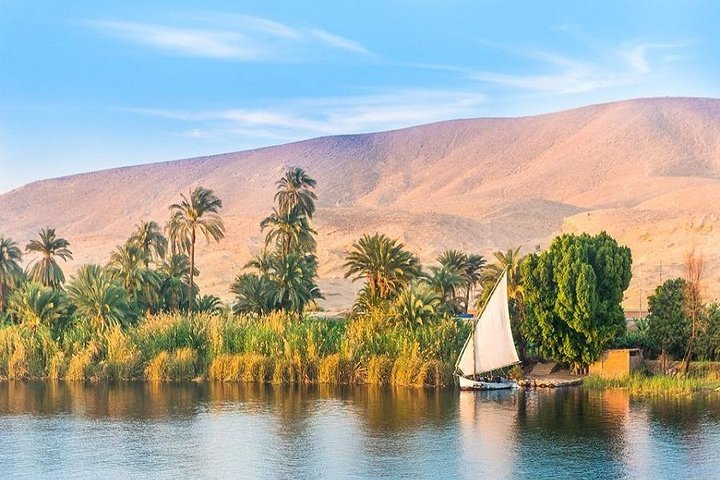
[{"x": 617, "y": 362}]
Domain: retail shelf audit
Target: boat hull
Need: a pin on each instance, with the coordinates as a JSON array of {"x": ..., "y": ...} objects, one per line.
[{"x": 470, "y": 384}]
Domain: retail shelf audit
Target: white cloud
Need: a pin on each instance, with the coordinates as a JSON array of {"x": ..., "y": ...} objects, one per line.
[
  {"x": 626, "y": 64},
  {"x": 311, "y": 117},
  {"x": 237, "y": 37}
]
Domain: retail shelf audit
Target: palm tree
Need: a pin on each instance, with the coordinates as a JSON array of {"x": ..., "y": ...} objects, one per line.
[
  {"x": 46, "y": 271},
  {"x": 293, "y": 279},
  {"x": 261, "y": 262},
  {"x": 253, "y": 294},
  {"x": 289, "y": 231},
  {"x": 149, "y": 238},
  {"x": 472, "y": 272},
  {"x": 417, "y": 304},
  {"x": 10, "y": 269},
  {"x": 445, "y": 281},
  {"x": 511, "y": 261},
  {"x": 199, "y": 212},
  {"x": 383, "y": 263},
  {"x": 127, "y": 265},
  {"x": 453, "y": 260},
  {"x": 34, "y": 305},
  {"x": 209, "y": 304},
  {"x": 174, "y": 273},
  {"x": 98, "y": 297},
  {"x": 295, "y": 191}
]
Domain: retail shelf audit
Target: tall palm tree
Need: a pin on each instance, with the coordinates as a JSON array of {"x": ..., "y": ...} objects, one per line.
[
  {"x": 289, "y": 231},
  {"x": 10, "y": 269},
  {"x": 34, "y": 306},
  {"x": 98, "y": 297},
  {"x": 383, "y": 263},
  {"x": 295, "y": 190},
  {"x": 46, "y": 270},
  {"x": 149, "y": 237},
  {"x": 198, "y": 212}
]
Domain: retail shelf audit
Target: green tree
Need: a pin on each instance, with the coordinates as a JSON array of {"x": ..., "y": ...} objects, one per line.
[
  {"x": 668, "y": 324},
  {"x": 445, "y": 281},
  {"x": 472, "y": 271},
  {"x": 289, "y": 231},
  {"x": 46, "y": 270},
  {"x": 10, "y": 270},
  {"x": 573, "y": 294},
  {"x": 99, "y": 298},
  {"x": 34, "y": 306},
  {"x": 253, "y": 294},
  {"x": 384, "y": 264},
  {"x": 174, "y": 276},
  {"x": 209, "y": 304},
  {"x": 152, "y": 243},
  {"x": 293, "y": 282},
  {"x": 417, "y": 303},
  {"x": 295, "y": 191},
  {"x": 199, "y": 212},
  {"x": 127, "y": 265}
]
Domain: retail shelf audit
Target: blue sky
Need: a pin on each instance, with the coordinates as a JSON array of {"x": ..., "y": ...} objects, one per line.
[{"x": 86, "y": 85}]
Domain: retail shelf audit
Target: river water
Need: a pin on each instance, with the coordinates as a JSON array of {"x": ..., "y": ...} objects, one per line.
[{"x": 145, "y": 430}]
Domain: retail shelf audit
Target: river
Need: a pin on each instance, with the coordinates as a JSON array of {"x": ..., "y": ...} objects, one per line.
[{"x": 147, "y": 430}]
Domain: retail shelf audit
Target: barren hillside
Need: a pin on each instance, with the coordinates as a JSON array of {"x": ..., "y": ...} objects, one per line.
[{"x": 647, "y": 171}]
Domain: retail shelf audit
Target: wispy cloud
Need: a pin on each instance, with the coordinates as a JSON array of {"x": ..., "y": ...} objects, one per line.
[
  {"x": 237, "y": 37},
  {"x": 305, "y": 118},
  {"x": 626, "y": 64}
]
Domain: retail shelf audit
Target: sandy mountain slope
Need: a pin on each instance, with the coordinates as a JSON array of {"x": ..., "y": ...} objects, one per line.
[{"x": 647, "y": 171}]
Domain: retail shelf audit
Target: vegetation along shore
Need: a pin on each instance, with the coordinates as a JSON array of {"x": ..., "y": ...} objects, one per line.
[{"x": 141, "y": 315}]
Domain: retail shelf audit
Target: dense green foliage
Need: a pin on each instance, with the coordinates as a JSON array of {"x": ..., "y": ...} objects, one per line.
[
  {"x": 668, "y": 325},
  {"x": 372, "y": 348},
  {"x": 285, "y": 275},
  {"x": 10, "y": 270},
  {"x": 572, "y": 294}
]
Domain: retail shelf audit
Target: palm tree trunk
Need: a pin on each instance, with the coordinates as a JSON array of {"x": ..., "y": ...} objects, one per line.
[
  {"x": 467, "y": 298},
  {"x": 192, "y": 270}
]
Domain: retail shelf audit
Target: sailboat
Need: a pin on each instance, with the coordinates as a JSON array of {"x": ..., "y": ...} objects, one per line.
[{"x": 490, "y": 345}]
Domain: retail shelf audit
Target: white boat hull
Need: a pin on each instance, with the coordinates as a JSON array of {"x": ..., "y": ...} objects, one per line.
[{"x": 470, "y": 384}]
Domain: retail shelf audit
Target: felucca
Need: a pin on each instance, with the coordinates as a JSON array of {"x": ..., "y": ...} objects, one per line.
[{"x": 490, "y": 345}]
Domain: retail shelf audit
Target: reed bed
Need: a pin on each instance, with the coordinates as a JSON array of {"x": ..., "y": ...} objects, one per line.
[
  {"x": 649, "y": 385},
  {"x": 276, "y": 348}
]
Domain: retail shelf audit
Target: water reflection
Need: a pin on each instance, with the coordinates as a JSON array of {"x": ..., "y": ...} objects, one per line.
[{"x": 56, "y": 429}]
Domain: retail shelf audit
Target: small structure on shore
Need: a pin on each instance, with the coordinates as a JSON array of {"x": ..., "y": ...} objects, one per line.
[{"x": 618, "y": 362}]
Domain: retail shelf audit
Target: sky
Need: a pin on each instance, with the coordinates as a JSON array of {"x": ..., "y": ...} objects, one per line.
[{"x": 89, "y": 85}]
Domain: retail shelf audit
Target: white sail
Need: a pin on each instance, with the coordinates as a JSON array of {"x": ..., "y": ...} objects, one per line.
[{"x": 491, "y": 345}]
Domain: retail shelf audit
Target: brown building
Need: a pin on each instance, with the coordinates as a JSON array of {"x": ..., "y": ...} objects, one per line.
[{"x": 617, "y": 363}]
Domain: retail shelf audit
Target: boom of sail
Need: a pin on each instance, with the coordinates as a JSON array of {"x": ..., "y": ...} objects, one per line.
[{"x": 490, "y": 345}]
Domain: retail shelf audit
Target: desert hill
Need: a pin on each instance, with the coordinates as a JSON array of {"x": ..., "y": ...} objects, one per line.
[{"x": 647, "y": 171}]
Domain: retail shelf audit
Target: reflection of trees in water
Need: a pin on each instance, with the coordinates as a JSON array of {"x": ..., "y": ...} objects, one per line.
[{"x": 687, "y": 413}]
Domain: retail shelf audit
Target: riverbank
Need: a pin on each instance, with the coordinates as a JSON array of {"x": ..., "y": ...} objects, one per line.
[
  {"x": 371, "y": 349},
  {"x": 642, "y": 384}
]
